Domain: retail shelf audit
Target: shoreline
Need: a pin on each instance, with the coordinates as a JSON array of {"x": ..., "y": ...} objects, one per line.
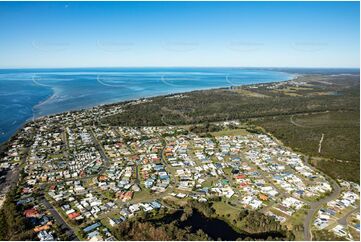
[
  {"x": 34, "y": 118},
  {"x": 112, "y": 103}
]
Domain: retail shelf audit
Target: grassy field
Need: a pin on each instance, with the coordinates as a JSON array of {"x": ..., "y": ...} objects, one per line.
[
  {"x": 143, "y": 195},
  {"x": 230, "y": 132},
  {"x": 229, "y": 214}
]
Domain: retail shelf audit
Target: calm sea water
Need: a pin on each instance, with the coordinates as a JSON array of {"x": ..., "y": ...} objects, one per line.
[{"x": 30, "y": 93}]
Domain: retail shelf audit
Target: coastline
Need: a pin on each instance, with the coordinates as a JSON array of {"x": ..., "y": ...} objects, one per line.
[
  {"x": 293, "y": 76},
  {"x": 293, "y": 81},
  {"x": 112, "y": 103}
]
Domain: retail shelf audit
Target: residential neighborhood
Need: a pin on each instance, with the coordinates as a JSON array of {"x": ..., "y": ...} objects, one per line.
[{"x": 86, "y": 179}]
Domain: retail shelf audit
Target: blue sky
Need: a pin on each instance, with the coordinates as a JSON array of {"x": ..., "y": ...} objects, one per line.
[{"x": 117, "y": 34}]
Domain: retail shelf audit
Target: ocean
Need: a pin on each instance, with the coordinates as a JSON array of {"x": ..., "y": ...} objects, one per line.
[{"x": 26, "y": 94}]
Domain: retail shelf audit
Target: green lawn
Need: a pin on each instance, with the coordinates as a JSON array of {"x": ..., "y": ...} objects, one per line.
[
  {"x": 227, "y": 213},
  {"x": 230, "y": 132}
]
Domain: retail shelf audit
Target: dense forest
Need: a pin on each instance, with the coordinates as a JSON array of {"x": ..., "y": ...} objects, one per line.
[
  {"x": 242, "y": 103},
  {"x": 337, "y": 155},
  {"x": 13, "y": 225},
  {"x": 297, "y": 112},
  {"x": 138, "y": 230}
]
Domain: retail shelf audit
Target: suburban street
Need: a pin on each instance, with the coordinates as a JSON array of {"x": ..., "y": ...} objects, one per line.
[
  {"x": 315, "y": 206},
  {"x": 70, "y": 232},
  {"x": 343, "y": 219}
]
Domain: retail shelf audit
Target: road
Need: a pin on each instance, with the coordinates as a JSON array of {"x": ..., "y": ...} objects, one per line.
[
  {"x": 315, "y": 206},
  {"x": 320, "y": 144},
  {"x": 296, "y": 124},
  {"x": 12, "y": 176},
  {"x": 137, "y": 181},
  {"x": 70, "y": 232},
  {"x": 102, "y": 153},
  {"x": 343, "y": 219},
  {"x": 104, "y": 167}
]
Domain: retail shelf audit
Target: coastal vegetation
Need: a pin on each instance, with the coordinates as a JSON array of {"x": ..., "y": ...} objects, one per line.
[
  {"x": 13, "y": 225},
  {"x": 324, "y": 135},
  {"x": 297, "y": 112}
]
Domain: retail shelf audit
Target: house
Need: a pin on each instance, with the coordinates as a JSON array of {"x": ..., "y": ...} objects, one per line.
[
  {"x": 146, "y": 207},
  {"x": 125, "y": 212},
  {"x": 115, "y": 221},
  {"x": 73, "y": 215},
  {"x": 91, "y": 227},
  {"x": 94, "y": 236},
  {"x": 291, "y": 202},
  {"x": 41, "y": 228},
  {"x": 255, "y": 203},
  {"x": 125, "y": 196},
  {"x": 340, "y": 230},
  {"x": 155, "y": 205},
  {"x": 134, "y": 208},
  {"x": 31, "y": 213},
  {"x": 44, "y": 220},
  {"x": 45, "y": 236},
  {"x": 263, "y": 197},
  {"x": 25, "y": 201},
  {"x": 240, "y": 176}
]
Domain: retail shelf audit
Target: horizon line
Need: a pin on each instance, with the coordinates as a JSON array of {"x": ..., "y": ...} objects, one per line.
[{"x": 88, "y": 67}]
